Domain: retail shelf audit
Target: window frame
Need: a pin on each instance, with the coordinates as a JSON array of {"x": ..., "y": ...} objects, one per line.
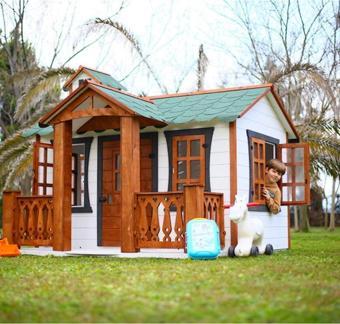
[
  {"x": 187, "y": 159},
  {"x": 44, "y": 164},
  {"x": 293, "y": 164},
  {"x": 86, "y": 208},
  {"x": 208, "y": 134},
  {"x": 267, "y": 139}
]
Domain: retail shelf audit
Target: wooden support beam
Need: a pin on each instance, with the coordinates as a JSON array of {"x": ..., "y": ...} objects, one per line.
[
  {"x": 62, "y": 186},
  {"x": 193, "y": 202},
  {"x": 100, "y": 123},
  {"x": 35, "y": 165},
  {"x": 9, "y": 211},
  {"x": 233, "y": 175},
  {"x": 130, "y": 174}
]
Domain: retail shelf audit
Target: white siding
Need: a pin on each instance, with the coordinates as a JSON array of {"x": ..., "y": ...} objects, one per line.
[
  {"x": 163, "y": 163},
  {"x": 220, "y": 168},
  {"x": 262, "y": 119}
]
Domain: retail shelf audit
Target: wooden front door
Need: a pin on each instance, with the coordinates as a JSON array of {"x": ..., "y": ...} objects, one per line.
[{"x": 110, "y": 197}]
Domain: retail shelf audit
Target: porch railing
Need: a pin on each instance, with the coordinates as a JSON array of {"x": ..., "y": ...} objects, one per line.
[
  {"x": 159, "y": 220},
  {"x": 214, "y": 209},
  {"x": 28, "y": 220},
  {"x": 160, "y": 217}
]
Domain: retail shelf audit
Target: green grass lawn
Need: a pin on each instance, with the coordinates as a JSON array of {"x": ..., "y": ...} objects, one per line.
[{"x": 299, "y": 285}]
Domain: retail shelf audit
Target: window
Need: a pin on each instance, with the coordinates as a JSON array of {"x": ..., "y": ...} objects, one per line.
[
  {"x": 188, "y": 161},
  {"x": 43, "y": 172},
  {"x": 296, "y": 180},
  {"x": 117, "y": 172},
  {"x": 78, "y": 174},
  {"x": 295, "y": 183},
  {"x": 261, "y": 149},
  {"x": 189, "y": 157},
  {"x": 80, "y": 166},
  {"x": 43, "y": 169}
]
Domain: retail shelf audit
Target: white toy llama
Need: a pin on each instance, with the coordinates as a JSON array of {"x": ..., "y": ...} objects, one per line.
[{"x": 250, "y": 232}]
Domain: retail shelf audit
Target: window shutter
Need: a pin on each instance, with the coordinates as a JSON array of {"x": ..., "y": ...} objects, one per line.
[
  {"x": 296, "y": 181},
  {"x": 43, "y": 169},
  {"x": 258, "y": 148}
]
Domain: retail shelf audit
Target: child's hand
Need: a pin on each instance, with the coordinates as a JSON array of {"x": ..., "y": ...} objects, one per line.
[{"x": 265, "y": 194}]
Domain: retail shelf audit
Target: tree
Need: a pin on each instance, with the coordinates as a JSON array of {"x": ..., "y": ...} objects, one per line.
[
  {"x": 295, "y": 47},
  {"x": 202, "y": 64},
  {"x": 27, "y": 91}
]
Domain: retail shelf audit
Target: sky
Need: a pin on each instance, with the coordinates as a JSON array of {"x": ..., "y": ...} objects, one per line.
[{"x": 168, "y": 31}]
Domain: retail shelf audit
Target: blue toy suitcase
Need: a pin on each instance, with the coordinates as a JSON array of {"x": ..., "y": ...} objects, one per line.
[{"x": 203, "y": 239}]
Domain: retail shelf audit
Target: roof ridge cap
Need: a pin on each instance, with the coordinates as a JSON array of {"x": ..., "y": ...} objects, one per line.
[
  {"x": 87, "y": 68},
  {"x": 193, "y": 93},
  {"x": 120, "y": 91}
]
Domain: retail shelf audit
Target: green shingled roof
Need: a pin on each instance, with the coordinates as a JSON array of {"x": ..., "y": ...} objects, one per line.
[
  {"x": 106, "y": 79},
  {"x": 37, "y": 130},
  {"x": 140, "y": 106},
  {"x": 225, "y": 106}
]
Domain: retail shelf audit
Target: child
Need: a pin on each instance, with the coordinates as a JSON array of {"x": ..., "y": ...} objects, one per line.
[{"x": 275, "y": 169}]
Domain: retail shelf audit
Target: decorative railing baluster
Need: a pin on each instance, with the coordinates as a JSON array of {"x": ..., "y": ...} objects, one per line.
[
  {"x": 160, "y": 220},
  {"x": 34, "y": 221}
]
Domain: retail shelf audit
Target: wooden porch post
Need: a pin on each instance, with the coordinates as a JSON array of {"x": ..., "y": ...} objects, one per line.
[
  {"x": 130, "y": 175},
  {"x": 9, "y": 209},
  {"x": 193, "y": 202},
  {"x": 62, "y": 186},
  {"x": 35, "y": 165},
  {"x": 233, "y": 176}
]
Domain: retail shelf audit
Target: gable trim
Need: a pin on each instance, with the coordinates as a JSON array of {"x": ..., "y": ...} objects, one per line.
[
  {"x": 84, "y": 69},
  {"x": 74, "y": 96},
  {"x": 279, "y": 103}
]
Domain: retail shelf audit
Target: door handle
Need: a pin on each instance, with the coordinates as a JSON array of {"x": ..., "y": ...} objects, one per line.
[{"x": 102, "y": 199}]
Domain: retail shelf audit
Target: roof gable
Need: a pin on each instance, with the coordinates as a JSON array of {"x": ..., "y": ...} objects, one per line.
[
  {"x": 96, "y": 76},
  {"x": 82, "y": 103}
]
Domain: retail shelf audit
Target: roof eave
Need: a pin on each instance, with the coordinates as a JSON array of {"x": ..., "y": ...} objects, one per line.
[{"x": 93, "y": 86}]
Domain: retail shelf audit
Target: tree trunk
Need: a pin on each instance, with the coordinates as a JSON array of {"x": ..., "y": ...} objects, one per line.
[
  {"x": 326, "y": 212},
  {"x": 26, "y": 184},
  {"x": 304, "y": 226},
  {"x": 296, "y": 219},
  {"x": 332, "y": 217}
]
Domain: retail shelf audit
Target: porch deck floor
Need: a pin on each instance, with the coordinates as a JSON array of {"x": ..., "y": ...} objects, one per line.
[{"x": 107, "y": 251}]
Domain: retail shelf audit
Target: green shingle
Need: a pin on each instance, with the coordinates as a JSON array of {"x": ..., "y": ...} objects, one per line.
[
  {"x": 225, "y": 106},
  {"x": 140, "y": 106},
  {"x": 37, "y": 130},
  {"x": 106, "y": 79}
]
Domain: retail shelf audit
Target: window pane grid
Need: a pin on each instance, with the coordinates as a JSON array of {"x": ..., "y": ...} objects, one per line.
[
  {"x": 295, "y": 183},
  {"x": 258, "y": 158},
  {"x": 188, "y": 160}
]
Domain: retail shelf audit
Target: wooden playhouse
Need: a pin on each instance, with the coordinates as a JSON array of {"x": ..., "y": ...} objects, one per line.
[{"x": 115, "y": 169}]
